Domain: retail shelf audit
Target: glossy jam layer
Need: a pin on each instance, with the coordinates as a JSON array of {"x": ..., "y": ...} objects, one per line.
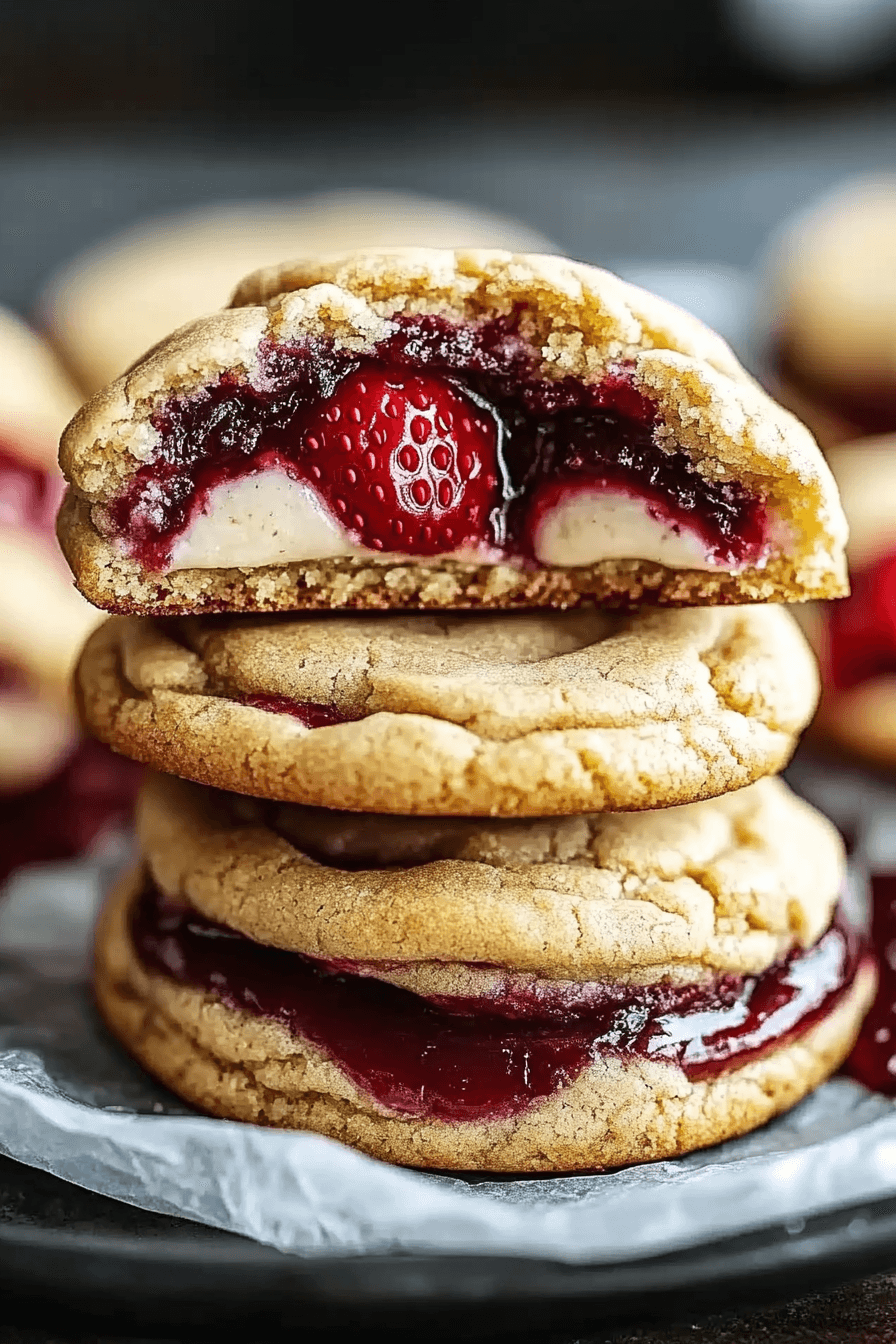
[
  {"x": 873, "y": 1060},
  {"x": 869, "y": 408},
  {"x": 94, "y": 791},
  {"x": 477, "y": 1062},
  {"x": 308, "y": 712},
  {"x": 444, "y": 439},
  {"x": 862, "y": 627},
  {"x": 29, "y": 497}
]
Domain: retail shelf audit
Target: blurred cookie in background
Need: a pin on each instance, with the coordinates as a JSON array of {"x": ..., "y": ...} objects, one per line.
[
  {"x": 111, "y": 304},
  {"x": 829, "y": 301},
  {"x": 855, "y": 637},
  {"x": 43, "y": 619}
]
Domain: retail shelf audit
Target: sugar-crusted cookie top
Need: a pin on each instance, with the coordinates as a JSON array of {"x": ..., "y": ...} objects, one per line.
[
  {"x": 111, "y": 303},
  {"x": 577, "y": 321},
  {"x": 729, "y": 884}
]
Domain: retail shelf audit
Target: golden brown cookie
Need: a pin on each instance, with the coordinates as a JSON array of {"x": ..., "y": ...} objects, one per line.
[
  {"x": 113, "y": 303},
  {"x": 253, "y": 1034},
  {"x": 856, "y": 638},
  {"x": 514, "y": 714},
  {"x": 831, "y": 312},
  {"x": 729, "y": 884},
  {"x": 454, "y": 429}
]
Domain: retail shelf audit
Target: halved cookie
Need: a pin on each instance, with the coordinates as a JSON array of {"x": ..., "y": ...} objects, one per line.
[
  {"x": 449, "y": 429},
  {"x": 111, "y": 304},
  {"x": 514, "y": 714},
  {"x": 492, "y": 998}
]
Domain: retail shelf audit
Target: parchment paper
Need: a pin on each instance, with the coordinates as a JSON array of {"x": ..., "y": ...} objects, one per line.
[{"x": 72, "y": 1103}]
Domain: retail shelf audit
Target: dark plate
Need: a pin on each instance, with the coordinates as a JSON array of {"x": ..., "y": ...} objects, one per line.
[{"x": 69, "y": 1257}]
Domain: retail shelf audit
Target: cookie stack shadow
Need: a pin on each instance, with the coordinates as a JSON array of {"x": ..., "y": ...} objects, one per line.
[{"x": 486, "y": 890}]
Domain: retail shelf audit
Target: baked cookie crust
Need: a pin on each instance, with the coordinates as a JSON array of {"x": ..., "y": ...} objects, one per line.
[
  {"x": 579, "y": 322},
  {"x": 731, "y": 884},
  {"x": 616, "y": 1112},
  {"x": 512, "y": 715}
]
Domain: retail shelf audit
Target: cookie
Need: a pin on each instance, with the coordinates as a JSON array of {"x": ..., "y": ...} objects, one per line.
[
  {"x": 856, "y": 638},
  {"x": 728, "y": 885},
  {"x": 625, "y": 1075},
  {"x": 457, "y": 714},
  {"x": 831, "y": 313},
  {"x": 449, "y": 429},
  {"x": 43, "y": 619},
  {"x": 113, "y": 303}
]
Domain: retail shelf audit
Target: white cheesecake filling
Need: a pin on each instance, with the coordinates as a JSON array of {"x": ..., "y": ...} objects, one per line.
[
  {"x": 270, "y": 519},
  {"x": 588, "y": 525},
  {"x": 264, "y": 519}
]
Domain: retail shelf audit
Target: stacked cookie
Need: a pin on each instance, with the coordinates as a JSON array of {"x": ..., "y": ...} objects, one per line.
[{"x": 430, "y": 571}]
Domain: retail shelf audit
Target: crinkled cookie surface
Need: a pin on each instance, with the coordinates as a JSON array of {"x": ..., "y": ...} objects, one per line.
[{"x": 520, "y": 714}]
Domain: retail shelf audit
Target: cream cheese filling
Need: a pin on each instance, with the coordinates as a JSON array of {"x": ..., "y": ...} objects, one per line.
[
  {"x": 270, "y": 519},
  {"x": 588, "y": 525}
]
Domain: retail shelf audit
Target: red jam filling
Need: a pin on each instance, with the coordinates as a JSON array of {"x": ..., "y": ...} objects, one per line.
[
  {"x": 29, "y": 497},
  {"x": 475, "y": 1059},
  {"x": 873, "y": 1060},
  {"x": 93, "y": 792},
  {"x": 308, "y": 712},
  {"x": 862, "y": 627},
  {"x": 869, "y": 408},
  {"x": 444, "y": 438}
]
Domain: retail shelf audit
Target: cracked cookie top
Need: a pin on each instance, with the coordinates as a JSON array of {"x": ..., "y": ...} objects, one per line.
[
  {"x": 531, "y": 430},
  {"x": 446, "y": 905},
  {"x": 520, "y": 714}
]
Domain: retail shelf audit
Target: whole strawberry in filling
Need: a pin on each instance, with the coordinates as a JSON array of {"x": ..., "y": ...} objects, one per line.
[
  {"x": 405, "y": 461},
  {"x": 446, "y": 439}
]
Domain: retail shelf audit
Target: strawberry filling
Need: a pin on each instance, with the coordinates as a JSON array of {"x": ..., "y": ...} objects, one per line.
[
  {"x": 444, "y": 440},
  {"x": 486, "y": 1059},
  {"x": 862, "y": 627},
  {"x": 308, "y": 712}
]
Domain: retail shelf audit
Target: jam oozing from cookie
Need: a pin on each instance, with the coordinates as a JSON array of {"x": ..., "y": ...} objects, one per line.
[
  {"x": 861, "y": 628},
  {"x": 444, "y": 440},
  {"x": 308, "y": 712},
  {"x": 475, "y": 1062},
  {"x": 867, "y": 408},
  {"x": 873, "y": 1060}
]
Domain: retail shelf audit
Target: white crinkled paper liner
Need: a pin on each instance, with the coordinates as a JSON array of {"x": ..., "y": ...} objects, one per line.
[{"x": 72, "y": 1104}]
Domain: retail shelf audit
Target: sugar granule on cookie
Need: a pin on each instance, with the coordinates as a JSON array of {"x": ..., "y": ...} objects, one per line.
[
  {"x": 508, "y": 714},
  {"x": 692, "y": 985},
  {"x": 416, "y": 428}
]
